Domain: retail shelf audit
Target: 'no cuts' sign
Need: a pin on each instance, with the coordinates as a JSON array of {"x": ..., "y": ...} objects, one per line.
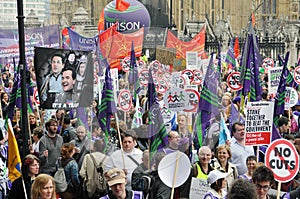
[
  {"x": 282, "y": 158},
  {"x": 124, "y": 100}
]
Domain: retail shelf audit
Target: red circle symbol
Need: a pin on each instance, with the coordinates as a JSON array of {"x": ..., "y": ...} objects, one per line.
[
  {"x": 193, "y": 100},
  {"x": 233, "y": 81},
  {"x": 297, "y": 74},
  {"x": 124, "y": 100},
  {"x": 126, "y": 64},
  {"x": 36, "y": 96},
  {"x": 282, "y": 158}
]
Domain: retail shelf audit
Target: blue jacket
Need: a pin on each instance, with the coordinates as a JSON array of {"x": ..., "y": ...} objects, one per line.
[{"x": 71, "y": 172}]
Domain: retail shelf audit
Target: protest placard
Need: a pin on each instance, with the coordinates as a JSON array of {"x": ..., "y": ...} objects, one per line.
[
  {"x": 258, "y": 124},
  {"x": 199, "y": 188},
  {"x": 274, "y": 75}
]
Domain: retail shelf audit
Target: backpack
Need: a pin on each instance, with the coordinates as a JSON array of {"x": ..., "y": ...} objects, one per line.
[
  {"x": 61, "y": 184},
  {"x": 99, "y": 179}
]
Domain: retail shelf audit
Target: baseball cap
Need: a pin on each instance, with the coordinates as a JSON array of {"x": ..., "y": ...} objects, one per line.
[
  {"x": 115, "y": 176},
  {"x": 215, "y": 175}
]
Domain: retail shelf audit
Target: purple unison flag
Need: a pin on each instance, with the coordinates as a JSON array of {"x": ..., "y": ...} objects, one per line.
[
  {"x": 156, "y": 130},
  {"x": 250, "y": 62},
  {"x": 201, "y": 124},
  {"x": 107, "y": 106},
  {"x": 281, "y": 90},
  {"x": 230, "y": 58},
  {"x": 133, "y": 73},
  {"x": 209, "y": 100}
]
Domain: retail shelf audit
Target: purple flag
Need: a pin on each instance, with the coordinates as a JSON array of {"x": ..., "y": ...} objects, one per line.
[
  {"x": 250, "y": 62},
  {"x": 281, "y": 91},
  {"x": 235, "y": 116},
  {"x": 209, "y": 100},
  {"x": 107, "y": 106},
  {"x": 230, "y": 58},
  {"x": 133, "y": 73},
  {"x": 156, "y": 130}
]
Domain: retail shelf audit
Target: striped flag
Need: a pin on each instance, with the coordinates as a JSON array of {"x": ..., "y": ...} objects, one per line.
[
  {"x": 230, "y": 58},
  {"x": 208, "y": 106},
  {"x": 107, "y": 106},
  {"x": 209, "y": 100},
  {"x": 281, "y": 91},
  {"x": 250, "y": 62},
  {"x": 14, "y": 160},
  {"x": 133, "y": 77},
  {"x": 156, "y": 130}
]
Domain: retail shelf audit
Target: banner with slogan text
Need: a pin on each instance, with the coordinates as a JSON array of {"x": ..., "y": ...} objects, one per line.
[{"x": 47, "y": 36}]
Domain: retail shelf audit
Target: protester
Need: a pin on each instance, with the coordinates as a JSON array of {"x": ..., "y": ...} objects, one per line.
[
  {"x": 218, "y": 184},
  {"x": 49, "y": 149},
  {"x": 173, "y": 142},
  {"x": 83, "y": 144},
  {"x": 221, "y": 163},
  {"x": 71, "y": 170},
  {"x": 131, "y": 156},
  {"x": 43, "y": 187},
  {"x": 38, "y": 133},
  {"x": 140, "y": 180},
  {"x": 239, "y": 151},
  {"x": 242, "y": 188},
  {"x": 68, "y": 132},
  {"x": 116, "y": 180},
  {"x": 202, "y": 168},
  {"x": 32, "y": 121},
  {"x": 284, "y": 126},
  {"x": 251, "y": 163},
  {"x": 87, "y": 171},
  {"x": 159, "y": 189},
  {"x": 30, "y": 169},
  {"x": 263, "y": 178}
]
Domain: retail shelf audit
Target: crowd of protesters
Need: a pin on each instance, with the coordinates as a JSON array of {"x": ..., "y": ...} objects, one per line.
[{"x": 63, "y": 141}]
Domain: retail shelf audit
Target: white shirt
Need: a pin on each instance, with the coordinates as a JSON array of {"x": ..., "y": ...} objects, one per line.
[{"x": 116, "y": 161}]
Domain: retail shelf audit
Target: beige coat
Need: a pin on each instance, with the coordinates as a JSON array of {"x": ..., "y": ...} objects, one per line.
[{"x": 87, "y": 171}]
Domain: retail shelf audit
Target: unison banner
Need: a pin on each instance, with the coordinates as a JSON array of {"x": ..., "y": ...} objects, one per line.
[{"x": 47, "y": 36}]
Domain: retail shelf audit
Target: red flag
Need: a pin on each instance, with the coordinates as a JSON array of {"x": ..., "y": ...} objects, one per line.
[
  {"x": 106, "y": 39},
  {"x": 115, "y": 45},
  {"x": 101, "y": 21},
  {"x": 236, "y": 47},
  {"x": 122, "y": 5},
  {"x": 195, "y": 45},
  {"x": 253, "y": 19},
  {"x": 121, "y": 46}
]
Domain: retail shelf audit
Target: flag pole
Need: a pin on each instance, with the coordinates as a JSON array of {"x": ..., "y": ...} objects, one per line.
[
  {"x": 22, "y": 64},
  {"x": 119, "y": 135}
]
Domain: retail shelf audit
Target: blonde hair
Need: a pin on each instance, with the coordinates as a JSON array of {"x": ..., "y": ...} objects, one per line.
[
  {"x": 39, "y": 183},
  {"x": 221, "y": 147}
]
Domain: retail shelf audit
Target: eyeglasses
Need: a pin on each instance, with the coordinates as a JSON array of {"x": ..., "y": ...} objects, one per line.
[{"x": 265, "y": 188}]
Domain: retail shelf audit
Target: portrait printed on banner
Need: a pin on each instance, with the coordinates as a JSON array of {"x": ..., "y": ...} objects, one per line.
[{"x": 64, "y": 78}]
